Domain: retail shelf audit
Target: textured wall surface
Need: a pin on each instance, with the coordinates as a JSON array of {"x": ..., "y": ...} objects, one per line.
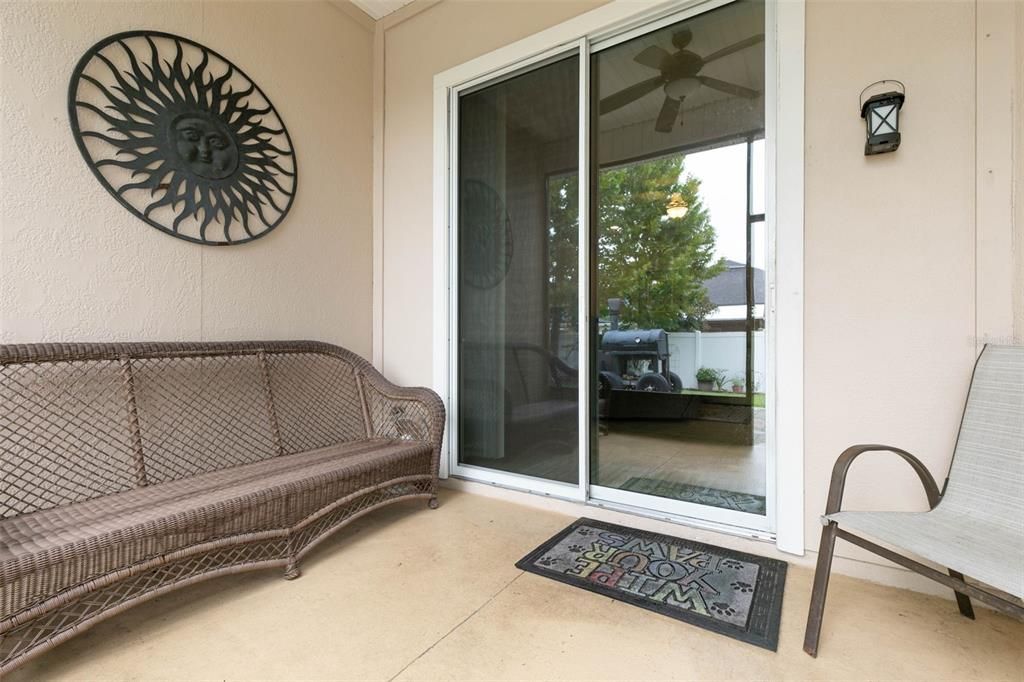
[{"x": 75, "y": 265}]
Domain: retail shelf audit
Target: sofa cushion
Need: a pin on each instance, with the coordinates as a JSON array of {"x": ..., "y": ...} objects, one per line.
[{"x": 118, "y": 531}]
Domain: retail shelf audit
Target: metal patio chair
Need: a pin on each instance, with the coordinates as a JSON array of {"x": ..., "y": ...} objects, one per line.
[{"x": 975, "y": 526}]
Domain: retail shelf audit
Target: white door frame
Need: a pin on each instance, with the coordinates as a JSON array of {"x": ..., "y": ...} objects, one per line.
[{"x": 784, "y": 77}]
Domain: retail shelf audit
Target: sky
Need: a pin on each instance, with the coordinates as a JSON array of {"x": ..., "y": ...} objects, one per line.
[{"x": 722, "y": 172}]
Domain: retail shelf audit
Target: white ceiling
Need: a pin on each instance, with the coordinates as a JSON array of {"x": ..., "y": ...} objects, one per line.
[{"x": 380, "y": 8}]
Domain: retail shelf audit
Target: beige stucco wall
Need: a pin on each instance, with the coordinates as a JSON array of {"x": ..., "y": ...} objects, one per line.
[
  {"x": 75, "y": 265},
  {"x": 890, "y": 275}
]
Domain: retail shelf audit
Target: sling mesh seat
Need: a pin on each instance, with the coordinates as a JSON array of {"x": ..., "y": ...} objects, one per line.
[{"x": 975, "y": 527}]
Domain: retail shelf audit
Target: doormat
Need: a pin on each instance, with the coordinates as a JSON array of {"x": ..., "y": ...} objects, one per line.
[
  {"x": 698, "y": 494},
  {"x": 734, "y": 594}
]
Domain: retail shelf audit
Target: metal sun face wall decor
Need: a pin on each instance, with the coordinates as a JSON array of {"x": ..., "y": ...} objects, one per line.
[{"x": 182, "y": 138}]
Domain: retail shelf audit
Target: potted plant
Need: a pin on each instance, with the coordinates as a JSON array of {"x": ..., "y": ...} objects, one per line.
[
  {"x": 737, "y": 383},
  {"x": 708, "y": 378},
  {"x": 719, "y": 379}
]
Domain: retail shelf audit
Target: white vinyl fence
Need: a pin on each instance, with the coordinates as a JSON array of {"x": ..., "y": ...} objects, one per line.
[
  {"x": 718, "y": 350},
  {"x": 689, "y": 351}
]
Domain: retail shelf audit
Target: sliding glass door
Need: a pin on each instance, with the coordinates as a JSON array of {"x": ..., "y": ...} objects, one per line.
[
  {"x": 678, "y": 253},
  {"x": 518, "y": 356},
  {"x": 618, "y": 354}
]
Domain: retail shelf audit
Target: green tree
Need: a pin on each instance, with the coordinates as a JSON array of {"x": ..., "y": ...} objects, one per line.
[
  {"x": 563, "y": 238},
  {"x": 656, "y": 264}
]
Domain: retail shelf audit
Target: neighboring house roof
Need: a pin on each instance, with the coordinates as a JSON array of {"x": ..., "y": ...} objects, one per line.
[{"x": 729, "y": 287}]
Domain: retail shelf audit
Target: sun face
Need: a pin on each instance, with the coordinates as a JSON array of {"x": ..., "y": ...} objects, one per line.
[
  {"x": 205, "y": 145},
  {"x": 182, "y": 138}
]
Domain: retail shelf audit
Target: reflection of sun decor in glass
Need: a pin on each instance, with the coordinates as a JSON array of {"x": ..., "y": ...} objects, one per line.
[
  {"x": 487, "y": 250},
  {"x": 182, "y": 138}
]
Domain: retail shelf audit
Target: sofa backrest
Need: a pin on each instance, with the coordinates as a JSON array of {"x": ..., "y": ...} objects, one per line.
[
  {"x": 78, "y": 421},
  {"x": 317, "y": 399},
  {"x": 63, "y": 434}
]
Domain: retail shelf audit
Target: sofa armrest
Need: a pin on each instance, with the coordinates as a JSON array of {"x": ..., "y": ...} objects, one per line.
[{"x": 403, "y": 413}]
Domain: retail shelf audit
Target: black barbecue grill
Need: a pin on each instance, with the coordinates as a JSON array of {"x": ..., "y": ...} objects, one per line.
[{"x": 621, "y": 348}]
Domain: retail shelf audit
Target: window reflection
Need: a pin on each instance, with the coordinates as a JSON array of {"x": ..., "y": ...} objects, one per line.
[{"x": 680, "y": 261}]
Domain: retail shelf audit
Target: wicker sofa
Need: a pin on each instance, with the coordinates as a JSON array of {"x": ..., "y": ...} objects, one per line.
[{"x": 129, "y": 470}]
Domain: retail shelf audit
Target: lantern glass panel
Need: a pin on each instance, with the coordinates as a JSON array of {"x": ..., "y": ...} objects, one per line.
[{"x": 883, "y": 119}]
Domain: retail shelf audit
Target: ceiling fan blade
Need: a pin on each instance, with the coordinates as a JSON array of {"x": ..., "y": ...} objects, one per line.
[
  {"x": 735, "y": 47},
  {"x": 667, "y": 115},
  {"x": 652, "y": 56},
  {"x": 728, "y": 88},
  {"x": 682, "y": 38},
  {"x": 619, "y": 99}
]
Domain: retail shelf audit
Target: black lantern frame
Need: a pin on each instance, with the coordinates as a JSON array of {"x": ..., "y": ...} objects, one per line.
[{"x": 881, "y": 115}]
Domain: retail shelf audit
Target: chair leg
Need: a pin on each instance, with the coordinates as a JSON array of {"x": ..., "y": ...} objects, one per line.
[
  {"x": 962, "y": 600},
  {"x": 821, "y": 576}
]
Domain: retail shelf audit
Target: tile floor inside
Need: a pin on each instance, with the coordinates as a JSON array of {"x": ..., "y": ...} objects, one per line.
[{"x": 699, "y": 452}]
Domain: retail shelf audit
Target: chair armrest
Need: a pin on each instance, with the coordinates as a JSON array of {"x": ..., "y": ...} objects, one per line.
[{"x": 842, "y": 468}]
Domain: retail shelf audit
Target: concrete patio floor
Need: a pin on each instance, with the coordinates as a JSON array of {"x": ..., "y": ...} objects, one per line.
[{"x": 406, "y": 594}]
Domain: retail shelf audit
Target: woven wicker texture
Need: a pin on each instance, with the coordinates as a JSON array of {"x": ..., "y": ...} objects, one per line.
[
  {"x": 130, "y": 469},
  {"x": 132, "y": 527},
  {"x": 403, "y": 419},
  {"x": 199, "y": 414},
  {"x": 317, "y": 401},
  {"x": 63, "y": 435},
  {"x": 153, "y": 578}
]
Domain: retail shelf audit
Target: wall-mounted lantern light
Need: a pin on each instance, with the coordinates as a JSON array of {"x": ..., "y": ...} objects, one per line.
[
  {"x": 881, "y": 113},
  {"x": 676, "y": 206}
]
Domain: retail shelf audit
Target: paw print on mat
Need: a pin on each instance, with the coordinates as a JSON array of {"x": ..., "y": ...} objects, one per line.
[
  {"x": 731, "y": 563},
  {"x": 547, "y": 561},
  {"x": 722, "y": 609},
  {"x": 743, "y": 587},
  {"x": 576, "y": 548}
]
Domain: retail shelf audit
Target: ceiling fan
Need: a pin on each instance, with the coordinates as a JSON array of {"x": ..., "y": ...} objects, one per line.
[{"x": 679, "y": 76}]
